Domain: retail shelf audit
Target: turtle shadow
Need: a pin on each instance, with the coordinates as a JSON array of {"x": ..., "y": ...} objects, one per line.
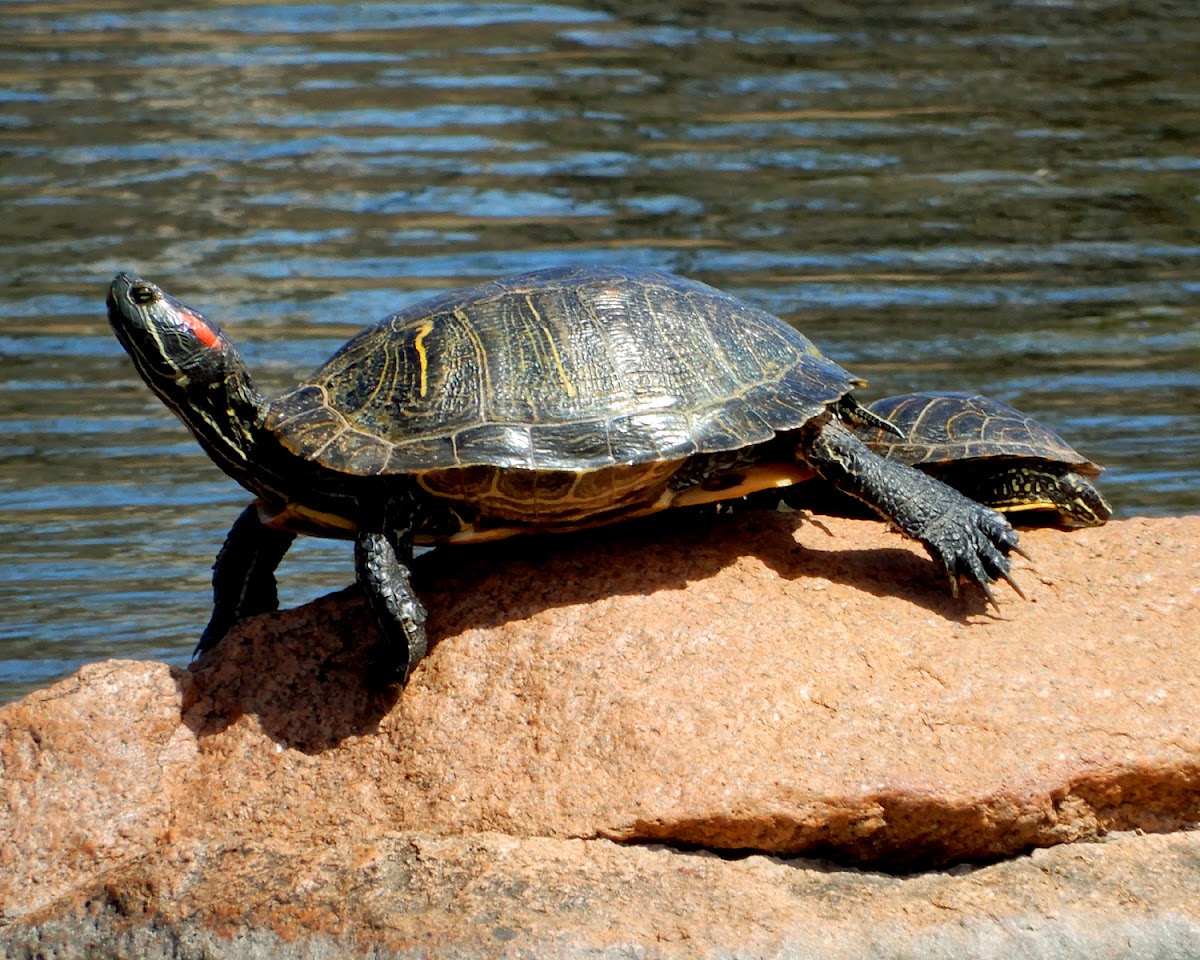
[
  {"x": 904, "y": 571},
  {"x": 660, "y": 553},
  {"x": 301, "y": 672}
]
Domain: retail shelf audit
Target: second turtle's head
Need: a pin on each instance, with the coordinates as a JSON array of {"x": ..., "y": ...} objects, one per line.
[{"x": 174, "y": 348}]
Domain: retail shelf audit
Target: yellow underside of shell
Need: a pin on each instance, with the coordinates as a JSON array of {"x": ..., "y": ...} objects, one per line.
[{"x": 502, "y": 515}]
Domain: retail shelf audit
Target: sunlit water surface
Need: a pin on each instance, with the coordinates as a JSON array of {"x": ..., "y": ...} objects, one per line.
[{"x": 1000, "y": 196}]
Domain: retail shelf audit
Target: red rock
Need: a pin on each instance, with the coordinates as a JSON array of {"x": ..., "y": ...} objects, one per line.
[
  {"x": 89, "y": 769},
  {"x": 765, "y": 683}
]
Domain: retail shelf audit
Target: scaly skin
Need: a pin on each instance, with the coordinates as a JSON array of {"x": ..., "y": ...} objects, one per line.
[
  {"x": 244, "y": 575},
  {"x": 398, "y": 611},
  {"x": 965, "y": 537},
  {"x": 382, "y": 557},
  {"x": 244, "y": 585}
]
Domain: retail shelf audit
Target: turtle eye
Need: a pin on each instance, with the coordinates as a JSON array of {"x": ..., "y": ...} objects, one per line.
[{"x": 142, "y": 293}]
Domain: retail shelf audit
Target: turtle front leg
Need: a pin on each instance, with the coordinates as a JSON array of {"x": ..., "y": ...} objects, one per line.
[
  {"x": 381, "y": 562},
  {"x": 244, "y": 575},
  {"x": 965, "y": 537}
]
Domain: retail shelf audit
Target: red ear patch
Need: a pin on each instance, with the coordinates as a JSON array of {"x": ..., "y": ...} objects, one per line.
[{"x": 205, "y": 332}]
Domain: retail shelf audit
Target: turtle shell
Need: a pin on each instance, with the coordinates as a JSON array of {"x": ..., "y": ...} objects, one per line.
[
  {"x": 940, "y": 428},
  {"x": 559, "y": 371}
]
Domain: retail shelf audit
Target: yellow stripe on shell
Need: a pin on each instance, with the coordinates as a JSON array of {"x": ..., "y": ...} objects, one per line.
[{"x": 422, "y": 357}]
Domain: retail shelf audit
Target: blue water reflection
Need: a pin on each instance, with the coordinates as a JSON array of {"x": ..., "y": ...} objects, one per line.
[{"x": 999, "y": 197}]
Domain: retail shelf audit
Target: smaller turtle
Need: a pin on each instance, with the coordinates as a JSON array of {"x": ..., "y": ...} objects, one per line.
[{"x": 994, "y": 454}]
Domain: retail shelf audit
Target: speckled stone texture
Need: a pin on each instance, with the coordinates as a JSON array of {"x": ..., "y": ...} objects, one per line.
[{"x": 762, "y": 684}]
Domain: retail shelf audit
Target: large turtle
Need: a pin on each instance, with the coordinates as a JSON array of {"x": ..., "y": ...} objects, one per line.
[
  {"x": 993, "y": 453},
  {"x": 550, "y": 401}
]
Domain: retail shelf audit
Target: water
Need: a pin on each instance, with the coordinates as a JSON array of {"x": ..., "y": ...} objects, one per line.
[{"x": 943, "y": 195}]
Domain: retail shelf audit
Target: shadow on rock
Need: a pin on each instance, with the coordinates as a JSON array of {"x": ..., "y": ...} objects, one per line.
[
  {"x": 490, "y": 585},
  {"x": 301, "y": 672}
]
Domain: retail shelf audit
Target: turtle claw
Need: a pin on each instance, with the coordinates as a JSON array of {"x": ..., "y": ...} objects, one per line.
[
  {"x": 1013, "y": 583},
  {"x": 968, "y": 539},
  {"x": 987, "y": 592},
  {"x": 981, "y": 577},
  {"x": 972, "y": 542}
]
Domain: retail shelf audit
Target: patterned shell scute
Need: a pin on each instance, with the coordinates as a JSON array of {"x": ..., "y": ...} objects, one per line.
[
  {"x": 941, "y": 427},
  {"x": 571, "y": 369}
]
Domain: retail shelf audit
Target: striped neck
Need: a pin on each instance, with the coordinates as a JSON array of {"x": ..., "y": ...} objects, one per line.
[{"x": 196, "y": 371}]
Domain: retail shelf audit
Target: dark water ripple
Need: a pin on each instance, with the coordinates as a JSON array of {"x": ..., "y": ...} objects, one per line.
[{"x": 994, "y": 195}]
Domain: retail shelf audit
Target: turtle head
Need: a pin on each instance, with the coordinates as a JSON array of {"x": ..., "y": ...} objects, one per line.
[
  {"x": 192, "y": 366},
  {"x": 174, "y": 347}
]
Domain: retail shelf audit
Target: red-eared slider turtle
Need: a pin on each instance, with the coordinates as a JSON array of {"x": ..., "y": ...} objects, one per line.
[
  {"x": 994, "y": 454},
  {"x": 556, "y": 400}
]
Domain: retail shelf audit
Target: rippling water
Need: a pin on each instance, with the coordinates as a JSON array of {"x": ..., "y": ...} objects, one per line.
[{"x": 999, "y": 196}]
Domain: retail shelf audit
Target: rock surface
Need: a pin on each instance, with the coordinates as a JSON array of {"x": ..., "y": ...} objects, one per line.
[{"x": 766, "y": 685}]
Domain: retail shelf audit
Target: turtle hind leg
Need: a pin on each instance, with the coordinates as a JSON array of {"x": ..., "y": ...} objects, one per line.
[
  {"x": 381, "y": 563},
  {"x": 966, "y": 538},
  {"x": 244, "y": 575}
]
